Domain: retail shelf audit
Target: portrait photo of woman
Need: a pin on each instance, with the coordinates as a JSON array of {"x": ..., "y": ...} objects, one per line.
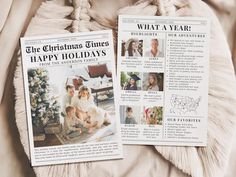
[
  {"x": 153, "y": 81},
  {"x": 130, "y": 81},
  {"x": 132, "y": 48},
  {"x": 132, "y": 85}
]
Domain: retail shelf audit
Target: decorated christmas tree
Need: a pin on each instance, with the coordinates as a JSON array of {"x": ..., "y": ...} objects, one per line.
[{"x": 44, "y": 106}]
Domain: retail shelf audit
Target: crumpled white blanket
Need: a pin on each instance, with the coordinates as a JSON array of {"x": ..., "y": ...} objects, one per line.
[{"x": 160, "y": 161}]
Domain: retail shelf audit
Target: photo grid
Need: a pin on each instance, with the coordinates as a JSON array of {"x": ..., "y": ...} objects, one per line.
[{"x": 145, "y": 82}]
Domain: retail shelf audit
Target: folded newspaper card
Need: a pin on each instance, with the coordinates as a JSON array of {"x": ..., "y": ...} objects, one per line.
[
  {"x": 70, "y": 96},
  {"x": 163, "y": 75}
]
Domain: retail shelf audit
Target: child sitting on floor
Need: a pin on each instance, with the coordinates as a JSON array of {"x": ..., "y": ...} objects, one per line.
[
  {"x": 71, "y": 121},
  {"x": 74, "y": 126}
]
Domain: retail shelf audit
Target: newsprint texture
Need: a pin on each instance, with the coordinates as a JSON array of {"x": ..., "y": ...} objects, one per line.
[
  {"x": 162, "y": 69},
  {"x": 70, "y": 91}
]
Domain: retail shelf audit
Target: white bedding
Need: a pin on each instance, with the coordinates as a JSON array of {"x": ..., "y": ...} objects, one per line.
[{"x": 160, "y": 161}]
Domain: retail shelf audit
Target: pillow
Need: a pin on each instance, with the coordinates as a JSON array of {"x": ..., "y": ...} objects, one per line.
[{"x": 97, "y": 70}]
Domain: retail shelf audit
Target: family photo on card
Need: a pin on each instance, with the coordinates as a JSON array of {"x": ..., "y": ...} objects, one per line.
[{"x": 71, "y": 103}]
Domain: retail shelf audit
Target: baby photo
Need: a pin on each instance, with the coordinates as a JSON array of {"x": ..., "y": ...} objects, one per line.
[
  {"x": 154, "y": 48},
  {"x": 132, "y": 47},
  {"x": 76, "y": 106},
  {"x": 130, "y": 114},
  {"x": 152, "y": 115},
  {"x": 130, "y": 80},
  {"x": 153, "y": 81}
]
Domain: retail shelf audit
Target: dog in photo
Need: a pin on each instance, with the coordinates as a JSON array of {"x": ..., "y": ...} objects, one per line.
[
  {"x": 152, "y": 115},
  {"x": 98, "y": 117}
]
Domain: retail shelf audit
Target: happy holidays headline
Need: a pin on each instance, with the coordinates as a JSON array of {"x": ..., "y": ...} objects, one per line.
[{"x": 56, "y": 52}]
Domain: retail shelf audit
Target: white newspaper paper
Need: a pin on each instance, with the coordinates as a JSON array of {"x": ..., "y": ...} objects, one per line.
[
  {"x": 70, "y": 91},
  {"x": 162, "y": 68}
]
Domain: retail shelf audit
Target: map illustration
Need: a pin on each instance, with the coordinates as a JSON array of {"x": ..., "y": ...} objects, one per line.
[{"x": 183, "y": 104}]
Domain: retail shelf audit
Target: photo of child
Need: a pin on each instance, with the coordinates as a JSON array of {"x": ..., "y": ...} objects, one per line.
[
  {"x": 153, "y": 81},
  {"x": 87, "y": 111},
  {"x": 133, "y": 47},
  {"x": 152, "y": 115},
  {"x": 154, "y": 48},
  {"x": 130, "y": 81},
  {"x": 129, "y": 119},
  {"x": 73, "y": 125},
  {"x": 71, "y": 121},
  {"x": 129, "y": 114}
]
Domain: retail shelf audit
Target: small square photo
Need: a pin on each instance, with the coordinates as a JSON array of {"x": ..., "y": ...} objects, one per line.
[
  {"x": 132, "y": 47},
  {"x": 153, "y": 81},
  {"x": 154, "y": 48},
  {"x": 152, "y": 115},
  {"x": 130, "y": 114},
  {"x": 130, "y": 80}
]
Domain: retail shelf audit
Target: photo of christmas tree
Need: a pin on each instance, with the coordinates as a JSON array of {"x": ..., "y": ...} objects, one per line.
[
  {"x": 45, "y": 108},
  {"x": 72, "y": 104}
]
